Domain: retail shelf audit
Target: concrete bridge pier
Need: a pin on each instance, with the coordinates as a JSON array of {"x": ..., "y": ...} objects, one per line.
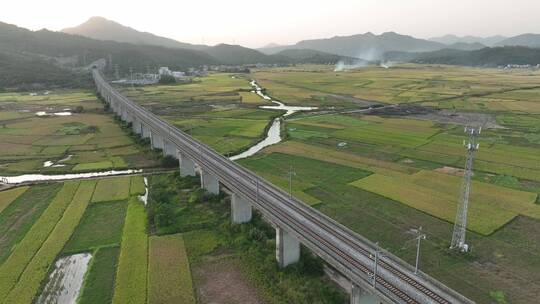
[
  {"x": 209, "y": 182},
  {"x": 136, "y": 126},
  {"x": 123, "y": 113},
  {"x": 169, "y": 149},
  {"x": 156, "y": 141},
  {"x": 240, "y": 209},
  {"x": 146, "y": 132},
  {"x": 129, "y": 117},
  {"x": 187, "y": 166},
  {"x": 360, "y": 296},
  {"x": 287, "y": 248}
]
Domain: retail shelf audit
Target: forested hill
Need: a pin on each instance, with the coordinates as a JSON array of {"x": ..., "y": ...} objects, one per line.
[
  {"x": 81, "y": 50},
  {"x": 486, "y": 57}
]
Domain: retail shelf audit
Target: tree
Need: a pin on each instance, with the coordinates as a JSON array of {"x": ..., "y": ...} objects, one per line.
[{"x": 167, "y": 79}]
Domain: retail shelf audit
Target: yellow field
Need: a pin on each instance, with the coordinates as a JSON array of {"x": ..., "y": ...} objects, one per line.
[
  {"x": 438, "y": 193},
  {"x": 169, "y": 274},
  {"x": 8, "y": 196}
]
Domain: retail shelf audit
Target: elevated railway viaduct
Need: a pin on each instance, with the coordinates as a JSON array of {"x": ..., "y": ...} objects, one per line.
[{"x": 383, "y": 276}]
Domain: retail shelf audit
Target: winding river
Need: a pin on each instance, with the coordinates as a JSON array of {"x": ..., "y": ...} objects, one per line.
[{"x": 273, "y": 136}]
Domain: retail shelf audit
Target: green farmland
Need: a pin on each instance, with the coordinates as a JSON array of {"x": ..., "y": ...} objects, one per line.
[
  {"x": 381, "y": 172},
  {"x": 218, "y": 109},
  {"x": 387, "y": 171},
  {"x": 87, "y": 140}
]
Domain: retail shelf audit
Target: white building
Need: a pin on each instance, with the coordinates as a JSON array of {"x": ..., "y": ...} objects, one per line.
[
  {"x": 165, "y": 71},
  {"x": 176, "y": 74}
]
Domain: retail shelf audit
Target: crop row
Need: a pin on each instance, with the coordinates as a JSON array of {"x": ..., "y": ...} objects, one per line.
[
  {"x": 29, "y": 282},
  {"x": 130, "y": 285}
]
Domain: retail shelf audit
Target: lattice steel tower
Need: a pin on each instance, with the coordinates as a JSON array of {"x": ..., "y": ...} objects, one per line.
[{"x": 460, "y": 225}]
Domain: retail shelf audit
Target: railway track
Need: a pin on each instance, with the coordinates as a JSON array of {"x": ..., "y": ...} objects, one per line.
[{"x": 345, "y": 249}]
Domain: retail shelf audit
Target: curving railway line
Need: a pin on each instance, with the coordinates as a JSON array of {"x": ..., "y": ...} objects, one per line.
[{"x": 349, "y": 253}]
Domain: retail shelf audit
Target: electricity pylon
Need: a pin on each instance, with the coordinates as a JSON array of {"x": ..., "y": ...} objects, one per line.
[{"x": 460, "y": 225}]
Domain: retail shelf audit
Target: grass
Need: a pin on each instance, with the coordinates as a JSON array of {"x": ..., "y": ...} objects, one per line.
[
  {"x": 137, "y": 186},
  {"x": 437, "y": 194},
  {"x": 200, "y": 242},
  {"x": 169, "y": 274},
  {"x": 341, "y": 157},
  {"x": 99, "y": 281},
  {"x": 101, "y": 226},
  {"x": 29, "y": 282},
  {"x": 131, "y": 280},
  {"x": 23, "y": 253},
  {"x": 8, "y": 196},
  {"x": 93, "y": 166},
  {"x": 20, "y": 215},
  {"x": 308, "y": 173},
  {"x": 112, "y": 189}
]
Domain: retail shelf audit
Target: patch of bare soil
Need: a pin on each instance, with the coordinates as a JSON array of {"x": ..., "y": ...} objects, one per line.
[
  {"x": 439, "y": 116},
  {"x": 221, "y": 281},
  {"x": 450, "y": 170}
]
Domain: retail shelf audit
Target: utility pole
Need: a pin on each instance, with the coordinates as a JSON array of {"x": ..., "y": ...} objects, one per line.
[
  {"x": 131, "y": 76},
  {"x": 291, "y": 173},
  {"x": 421, "y": 236},
  {"x": 116, "y": 72},
  {"x": 460, "y": 225},
  {"x": 378, "y": 255}
]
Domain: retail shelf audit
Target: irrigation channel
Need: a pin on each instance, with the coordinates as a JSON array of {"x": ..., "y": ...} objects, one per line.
[{"x": 273, "y": 136}]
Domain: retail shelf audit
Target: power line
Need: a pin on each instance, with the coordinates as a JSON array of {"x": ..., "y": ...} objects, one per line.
[{"x": 460, "y": 225}]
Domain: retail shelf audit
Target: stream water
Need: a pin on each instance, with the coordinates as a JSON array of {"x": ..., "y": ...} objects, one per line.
[
  {"x": 273, "y": 136},
  {"x": 144, "y": 198},
  {"x": 64, "y": 283},
  {"x": 44, "y": 177}
]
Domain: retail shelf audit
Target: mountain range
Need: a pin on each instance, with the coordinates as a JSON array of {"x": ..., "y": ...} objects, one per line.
[
  {"x": 452, "y": 39},
  {"x": 103, "y": 29},
  {"x": 486, "y": 57},
  {"x": 131, "y": 49}
]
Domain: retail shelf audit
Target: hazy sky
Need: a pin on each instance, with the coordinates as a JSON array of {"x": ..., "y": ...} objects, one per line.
[{"x": 256, "y": 23}]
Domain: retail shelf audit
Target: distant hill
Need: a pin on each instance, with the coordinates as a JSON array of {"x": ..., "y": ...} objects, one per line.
[
  {"x": 72, "y": 51},
  {"x": 237, "y": 55},
  {"x": 366, "y": 46},
  {"x": 453, "y": 39},
  {"x": 313, "y": 56},
  {"x": 464, "y": 46},
  {"x": 26, "y": 72},
  {"x": 60, "y": 45},
  {"x": 104, "y": 29},
  {"x": 530, "y": 40},
  {"x": 486, "y": 57}
]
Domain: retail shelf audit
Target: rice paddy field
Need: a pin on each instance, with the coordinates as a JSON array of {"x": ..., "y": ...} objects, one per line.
[
  {"x": 441, "y": 86},
  {"x": 382, "y": 173},
  {"x": 47, "y": 222},
  {"x": 385, "y": 172},
  {"x": 218, "y": 109},
  {"x": 86, "y": 140}
]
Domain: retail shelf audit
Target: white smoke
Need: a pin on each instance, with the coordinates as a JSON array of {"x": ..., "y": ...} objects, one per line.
[
  {"x": 343, "y": 66},
  {"x": 366, "y": 58}
]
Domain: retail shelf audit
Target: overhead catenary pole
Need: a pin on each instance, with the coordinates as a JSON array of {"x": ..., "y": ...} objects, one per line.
[
  {"x": 421, "y": 236},
  {"x": 378, "y": 254},
  {"x": 291, "y": 173},
  {"x": 460, "y": 224}
]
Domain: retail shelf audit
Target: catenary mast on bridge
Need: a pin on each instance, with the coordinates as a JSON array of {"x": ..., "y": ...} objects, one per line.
[{"x": 460, "y": 225}]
